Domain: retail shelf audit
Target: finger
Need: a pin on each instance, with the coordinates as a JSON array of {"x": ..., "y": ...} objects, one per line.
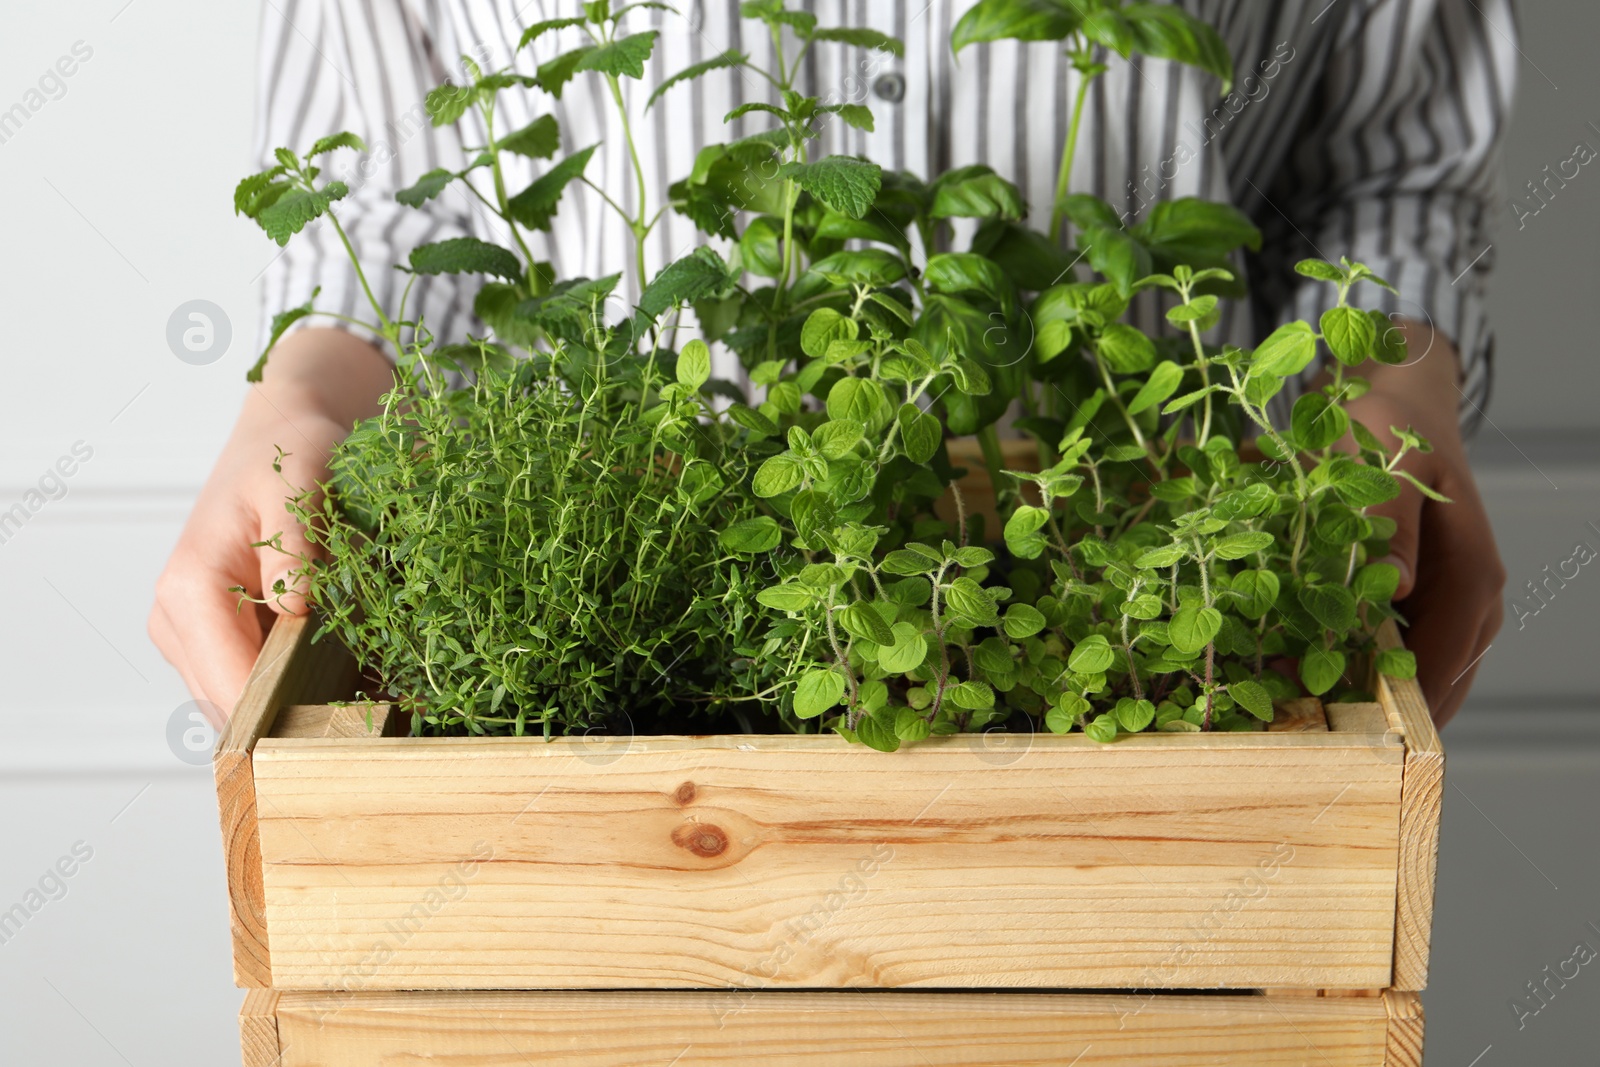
[
  {"x": 166, "y": 641},
  {"x": 220, "y": 640},
  {"x": 1449, "y": 701},
  {"x": 1406, "y": 511}
]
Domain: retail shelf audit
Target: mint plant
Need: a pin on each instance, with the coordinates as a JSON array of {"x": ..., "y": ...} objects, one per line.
[{"x": 583, "y": 529}]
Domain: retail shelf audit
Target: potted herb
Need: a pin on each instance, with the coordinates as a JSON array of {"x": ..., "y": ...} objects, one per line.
[{"x": 627, "y": 635}]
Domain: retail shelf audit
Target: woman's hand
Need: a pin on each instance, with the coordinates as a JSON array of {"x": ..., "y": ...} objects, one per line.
[
  {"x": 317, "y": 385},
  {"x": 1451, "y": 576}
]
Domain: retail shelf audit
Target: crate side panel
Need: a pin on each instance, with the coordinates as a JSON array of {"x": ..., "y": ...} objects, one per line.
[{"x": 414, "y": 864}]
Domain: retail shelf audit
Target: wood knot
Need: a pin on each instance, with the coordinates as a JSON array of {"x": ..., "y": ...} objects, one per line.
[
  {"x": 700, "y": 838},
  {"x": 685, "y": 793}
]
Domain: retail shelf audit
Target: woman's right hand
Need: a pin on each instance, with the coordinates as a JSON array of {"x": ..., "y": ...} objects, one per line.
[{"x": 317, "y": 385}]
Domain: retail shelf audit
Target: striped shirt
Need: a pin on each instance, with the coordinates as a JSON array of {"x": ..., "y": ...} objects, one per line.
[{"x": 1360, "y": 128}]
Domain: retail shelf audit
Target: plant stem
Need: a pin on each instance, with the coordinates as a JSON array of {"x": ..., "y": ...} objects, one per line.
[{"x": 1064, "y": 177}]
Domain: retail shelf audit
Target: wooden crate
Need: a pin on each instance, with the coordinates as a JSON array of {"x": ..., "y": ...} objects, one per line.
[
  {"x": 838, "y": 1029},
  {"x": 1298, "y": 860}
]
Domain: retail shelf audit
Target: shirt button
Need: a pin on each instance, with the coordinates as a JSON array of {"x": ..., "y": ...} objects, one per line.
[{"x": 890, "y": 86}]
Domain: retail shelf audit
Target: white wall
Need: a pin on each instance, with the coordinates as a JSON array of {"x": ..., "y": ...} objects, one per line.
[{"x": 117, "y": 207}]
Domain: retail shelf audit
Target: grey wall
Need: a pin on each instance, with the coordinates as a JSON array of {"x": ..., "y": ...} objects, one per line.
[{"x": 116, "y": 212}]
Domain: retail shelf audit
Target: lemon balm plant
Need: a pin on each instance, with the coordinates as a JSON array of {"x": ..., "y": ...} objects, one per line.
[{"x": 579, "y": 531}]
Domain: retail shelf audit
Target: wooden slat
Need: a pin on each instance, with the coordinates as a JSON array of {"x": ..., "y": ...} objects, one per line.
[
  {"x": 844, "y": 1029},
  {"x": 258, "y": 1028},
  {"x": 1405, "y": 1029},
  {"x": 290, "y": 669},
  {"x": 1359, "y": 719},
  {"x": 680, "y": 862},
  {"x": 1421, "y": 802},
  {"x": 1298, "y": 717}
]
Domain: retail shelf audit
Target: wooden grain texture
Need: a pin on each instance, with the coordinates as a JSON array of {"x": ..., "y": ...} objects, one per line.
[
  {"x": 258, "y": 1028},
  {"x": 290, "y": 669},
  {"x": 1360, "y": 719},
  {"x": 1230, "y": 860},
  {"x": 1405, "y": 1029},
  {"x": 1298, "y": 717},
  {"x": 335, "y": 720},
  {"x": 1421, "y": 802},
  {"x": 840, "y": 1029}
]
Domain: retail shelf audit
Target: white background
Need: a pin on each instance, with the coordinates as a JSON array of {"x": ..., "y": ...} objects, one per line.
[{"x": 116, "y": 210}]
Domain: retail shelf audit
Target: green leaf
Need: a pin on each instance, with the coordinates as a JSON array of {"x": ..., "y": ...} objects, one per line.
[
  {"x": 539, "y": 29},
  {"x": 1317, "y": 422},
  {"x": 1192, "y": 232},
  {"x": 1102, "y": 729},
  {"x": 1389, "y": 341},
  {"x": 1022, "y": 531},
  {"x": 447, "y": 103},
  {"x": 1240, "y": 545},
  {"x": 854, "y": 114},
  {"x": 730, "y": 58},
  {"x": 1068, "y": 709},
  {"x": 1287, "y": 351},
  {"x": 837, "y": 438},
  {"x": 786, "y": 597},
  {"x": 1361, "y": 486},
  {"x": 296, "y": 209},
  {"x": 906, "y": 653},
  {"x": 1376, "y": 583},
  {"x": 1165, "y": 556},
  {"x": 336, "y": 141},
  {"x": 1321, "y": 669},
  {"x": 909, "y": 725},
  {"x": 1320, "y": 270},
  {"x": 876, "y": 730},
  {"x": 466, "y": 255},
  {"x": 698, "y": 274},
  {"x": 1092, "y": 655},
  {"x": 844, "y": 183},
  {"x": 966, "y": 272},
  {"x": 694, "y": 364},
  {"x": 760, "y": 534},
  {"x": 259, "y": 191},
  {"x": 1259, "y": 590},
  {"x": 1134, "y": 715},
  {"x": 858, "y": 399},
  {"x": 425, "y": 188},
  {"x": 1188, "y": 399},
  {"x": 555, "y": 73},
  {"x": 818, "y": 690},
  {"x": 280, "y": 324},
  {"x": 975, "y": 192},
  {"x": 1252, "y": 697},
  {"x": 623, "y": 58},
  {"x": 1022, "y": 20},
  {"x": 1126, "y": 350},
  {"x": 822, "y": 327},
  {"x": 974, "y": 696},
  {"x": 1397, "y": 663},
  {"x": 1023, "y": 621},
  {"x": 920, "y": 433},
  {"x": 540, "y": 139},
  {"x": 970, "y": 604},
  {"x": 1350, "y": 335},
  {"x": 777, "y": 476},
  {"x": 1193, "y": 628},
  {"x": 1166, "y": 31},
  {"x": 1117, "y": 255},
  {"x": 861, "y": 38},
  {"x": 535, "y": 206},
  {"x": 1163, "y": 382},
  {"x": 861, "y": 620},
  {"x": 1333, "y": 606}
]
